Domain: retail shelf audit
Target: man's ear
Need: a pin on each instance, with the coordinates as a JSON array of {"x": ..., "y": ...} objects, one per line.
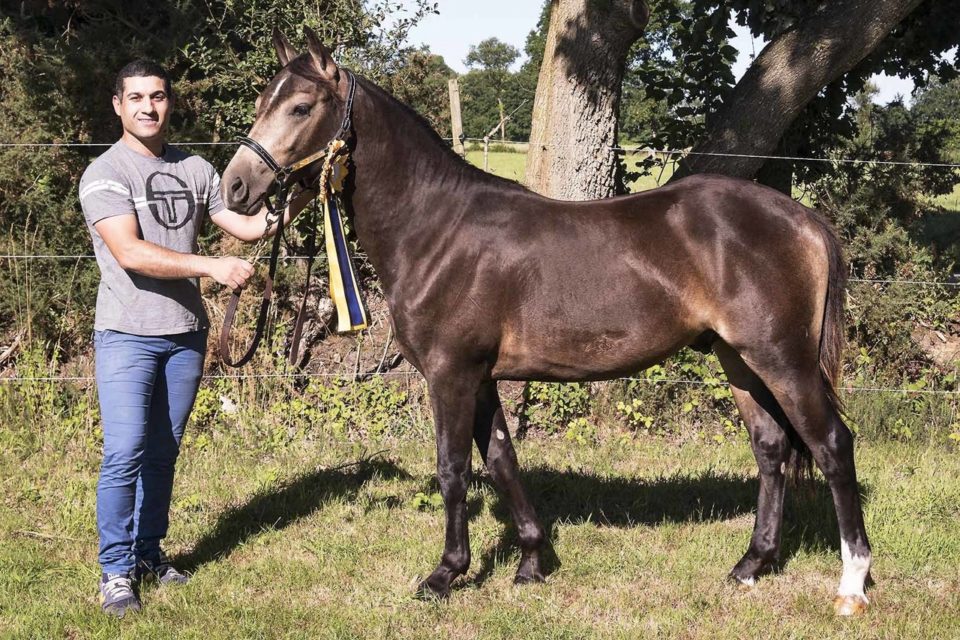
[
  {"x": 285, "y": 51},
  {"x": 116, "y": 105},
  {"x": 322, "y": 59}
]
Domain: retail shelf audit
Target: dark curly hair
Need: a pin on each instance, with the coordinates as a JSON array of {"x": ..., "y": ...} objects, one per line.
[{"x": 141, "y": 69}]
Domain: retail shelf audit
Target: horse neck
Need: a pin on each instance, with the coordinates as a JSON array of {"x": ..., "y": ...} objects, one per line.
[{"x": 410, "y": 191}]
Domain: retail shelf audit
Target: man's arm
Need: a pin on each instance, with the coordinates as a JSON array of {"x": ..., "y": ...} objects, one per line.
[
  {"x": 251, "y": 228},
  {"x": 120, "y": 234}
]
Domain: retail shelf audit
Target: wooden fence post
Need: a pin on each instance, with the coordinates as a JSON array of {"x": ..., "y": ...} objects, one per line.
[{"x": 455, "y": 120}]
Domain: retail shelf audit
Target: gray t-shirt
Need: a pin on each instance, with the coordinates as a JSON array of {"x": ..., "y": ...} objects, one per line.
[{"x": 170, "y": 196}]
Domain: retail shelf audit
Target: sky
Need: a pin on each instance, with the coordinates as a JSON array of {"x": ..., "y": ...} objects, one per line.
[{"x": 462, "y": 23}]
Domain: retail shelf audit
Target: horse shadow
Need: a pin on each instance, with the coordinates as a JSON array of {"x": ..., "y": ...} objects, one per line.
[
  {"x": 563, "y": 496},
  {"x": 283, "y": 506},
  {"x": 558, "y": 496}
]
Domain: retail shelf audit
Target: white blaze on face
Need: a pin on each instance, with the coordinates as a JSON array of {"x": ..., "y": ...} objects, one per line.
[
  {"x": 276, "y": 91},
  {"x": 855, "y": 570}
]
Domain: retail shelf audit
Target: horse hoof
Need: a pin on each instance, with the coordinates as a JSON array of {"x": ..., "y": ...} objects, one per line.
[
  {"x": 850, "y": 605},
  {"x": 743, "y": 583},
  {"x": 525, "y": 578},
  {"x": 429, "y": 593}
]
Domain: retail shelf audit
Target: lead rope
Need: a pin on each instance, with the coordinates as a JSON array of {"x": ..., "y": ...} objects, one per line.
[
  {"x": 272, "y": 218},
  {"x": 344, "y": 290}
]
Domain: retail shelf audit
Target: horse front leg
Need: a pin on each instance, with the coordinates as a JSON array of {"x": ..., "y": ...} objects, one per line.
[
  {"x": 496, "y": 449},
  {"x": 453, "y": 395}
]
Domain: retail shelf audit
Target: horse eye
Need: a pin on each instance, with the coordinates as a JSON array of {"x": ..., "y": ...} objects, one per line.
[{"x": 301, "y": 110}]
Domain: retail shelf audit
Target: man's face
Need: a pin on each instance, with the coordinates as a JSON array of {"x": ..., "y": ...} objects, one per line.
[{"x": 144, "y": 107}]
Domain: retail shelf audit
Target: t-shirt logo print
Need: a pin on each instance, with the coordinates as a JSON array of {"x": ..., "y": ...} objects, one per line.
[{"x": 171, "y": 202}]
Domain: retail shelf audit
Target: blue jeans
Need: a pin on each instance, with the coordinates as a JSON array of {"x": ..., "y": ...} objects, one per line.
[{"x": 147, "y": 385}]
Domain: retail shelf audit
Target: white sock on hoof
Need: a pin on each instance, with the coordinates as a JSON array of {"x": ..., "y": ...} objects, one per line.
[{"x": 855, "y": 570}]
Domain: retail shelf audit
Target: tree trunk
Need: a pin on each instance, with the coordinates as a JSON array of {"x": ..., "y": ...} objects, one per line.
[
  {"x": 787, "y": 75},
  {"x": 578, "y": 97}
]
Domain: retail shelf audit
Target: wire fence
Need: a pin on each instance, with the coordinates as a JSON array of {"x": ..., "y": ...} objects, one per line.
[
  {"x": 55, "y": 257},
  {"x": 690, "y": 152},
  {"x": 613, "y": 148},
  {"x": 416, "y": 374}
]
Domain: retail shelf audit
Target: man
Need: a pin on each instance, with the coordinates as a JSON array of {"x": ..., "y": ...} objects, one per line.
[{"x": 144, "y": 202}]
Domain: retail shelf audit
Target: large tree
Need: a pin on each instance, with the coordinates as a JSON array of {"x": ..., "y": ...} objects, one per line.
[
  {"x": 794, "y": 99},
  {"x": 578, "y": 97},
  {"x": 825, "y": 42},
  {"x": 490, "y": 64},
  {"x": 797, "y": 98}
]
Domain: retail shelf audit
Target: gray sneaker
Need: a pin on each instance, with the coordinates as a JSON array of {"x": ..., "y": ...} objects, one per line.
[
  {"x": 117, "y": 595},
  {"x": 161, "y": 570}
]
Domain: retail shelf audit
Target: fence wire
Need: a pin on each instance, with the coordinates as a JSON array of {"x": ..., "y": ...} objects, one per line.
[
  {"x": 350, "y": 377},
  {"x": 613, "y": 148}
]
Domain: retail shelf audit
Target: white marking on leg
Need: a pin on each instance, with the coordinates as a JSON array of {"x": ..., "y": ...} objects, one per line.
[
  {"x": 855, "y": 570},
  {"x": 747, "y": 582},
  {"x": 500, "y": 435}
]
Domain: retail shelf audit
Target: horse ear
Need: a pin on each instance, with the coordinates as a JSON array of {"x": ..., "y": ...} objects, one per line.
[
  {"x": 322, "y": 58},
  {"x": 285, "y": 52}
]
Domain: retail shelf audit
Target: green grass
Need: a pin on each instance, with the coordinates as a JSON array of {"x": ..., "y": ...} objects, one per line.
[
  {"x": 950, "y": 201},
  {"x": 511, "y": 165},
  {"x": 293, "y": 544}
]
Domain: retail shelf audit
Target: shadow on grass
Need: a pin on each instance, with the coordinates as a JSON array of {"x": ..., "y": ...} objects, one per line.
[
  {"x": 283, "y": 506},
  {"x": 563, "y": 496}
]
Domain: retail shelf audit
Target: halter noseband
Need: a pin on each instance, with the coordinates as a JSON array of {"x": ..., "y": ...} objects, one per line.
[{"x": 282, "y": 174}]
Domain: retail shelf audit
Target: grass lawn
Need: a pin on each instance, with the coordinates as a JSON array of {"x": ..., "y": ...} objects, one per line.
[
  {"x": 511, "y": 165},
  {"x": 293, "y": 544}
]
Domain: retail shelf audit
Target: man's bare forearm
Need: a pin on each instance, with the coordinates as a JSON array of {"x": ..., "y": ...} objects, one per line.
[{"x": 152, "y": 260}]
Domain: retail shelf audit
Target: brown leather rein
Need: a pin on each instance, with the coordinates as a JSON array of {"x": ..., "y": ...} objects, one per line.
[{"x": 275, "y": 214}]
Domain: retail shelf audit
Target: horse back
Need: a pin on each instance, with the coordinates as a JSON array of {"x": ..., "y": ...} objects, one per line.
[{"x": 556, "y": 290}]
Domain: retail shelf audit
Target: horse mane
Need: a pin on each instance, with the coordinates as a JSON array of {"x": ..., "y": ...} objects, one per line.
[
  {"x": 423, "y": 126},
  {"x": 302, "y": 66}
]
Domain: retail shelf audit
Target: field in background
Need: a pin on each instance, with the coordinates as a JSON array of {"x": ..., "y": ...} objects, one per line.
[
  {"x": 510, "y": 164},
  {"x": 300, "y": 543}
]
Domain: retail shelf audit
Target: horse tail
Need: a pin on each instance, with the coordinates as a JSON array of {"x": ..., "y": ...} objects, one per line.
[
  {"x": 832, "y": 331},
  {"x": 831, "y": 342}
]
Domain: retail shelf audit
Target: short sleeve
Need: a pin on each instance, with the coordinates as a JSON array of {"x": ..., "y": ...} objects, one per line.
[
  {"x": 104, "y": 194},
  {"x": 214, "y": 201}
]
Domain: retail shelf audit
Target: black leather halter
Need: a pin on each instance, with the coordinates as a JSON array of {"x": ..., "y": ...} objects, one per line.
[{"x": 282, "y": 176}]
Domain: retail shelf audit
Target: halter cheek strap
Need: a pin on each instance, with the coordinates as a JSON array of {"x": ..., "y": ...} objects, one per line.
[
  {"x": 262, "y": 153},
  {"x": 282, "y": 174},
  {"x": 343, "y": 281}
]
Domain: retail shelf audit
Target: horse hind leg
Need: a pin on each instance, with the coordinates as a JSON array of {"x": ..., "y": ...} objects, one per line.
[
  {"x": 806, "y": 399},
  {"x": 771, "y": 445},
  {"x": 493, "y": 440}
]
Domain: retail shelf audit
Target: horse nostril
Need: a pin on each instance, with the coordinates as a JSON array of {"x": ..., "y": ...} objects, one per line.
[{"x": 238, "y": 190}]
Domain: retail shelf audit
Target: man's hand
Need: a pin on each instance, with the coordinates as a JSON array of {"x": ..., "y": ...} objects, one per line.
[
  {"x": 231, "y": 272},
  {"x": 251, "y": 228}
]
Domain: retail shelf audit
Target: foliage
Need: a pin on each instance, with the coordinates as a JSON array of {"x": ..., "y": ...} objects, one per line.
[
  {"x": 686, "y": 61},
  {"x": 490, "y": 84},
  {"x": 481, "y": 93},
  {"x": 492, "y": 55},
  {"x": 550, "y": 406},
  {"x": 57, "y": 63},
  {"x": 38, "y": 413},
  {"x": 937, "y": 104},
  {"x": 422, "y": 83}
]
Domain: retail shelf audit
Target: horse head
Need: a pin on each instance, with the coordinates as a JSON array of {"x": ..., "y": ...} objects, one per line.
[{"x": 297, "y": 114}]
